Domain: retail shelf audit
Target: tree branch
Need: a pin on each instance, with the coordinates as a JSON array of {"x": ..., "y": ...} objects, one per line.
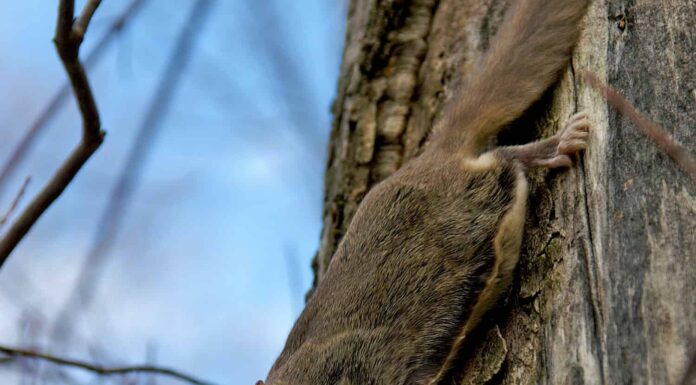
[
  {"x": 99, "y": 369},
  {"x": 81, "y": 24},
  {"x": 92, "y": 136},
  {"x": 15, "y": 202},
  {"x": 68, "y": 47},
  {"x": 59, "y": 99},
  {"x": 113, "y": 215}
]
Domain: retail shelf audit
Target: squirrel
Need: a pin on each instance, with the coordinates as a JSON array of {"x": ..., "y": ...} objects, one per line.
[{"x": 433, "y": 247}]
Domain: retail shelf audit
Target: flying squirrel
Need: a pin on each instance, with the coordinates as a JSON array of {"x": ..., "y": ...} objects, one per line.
[{"x": 433, "y": 247}]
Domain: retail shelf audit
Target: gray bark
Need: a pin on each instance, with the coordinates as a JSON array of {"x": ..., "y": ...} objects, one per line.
[{"x": 606, "y": 279}]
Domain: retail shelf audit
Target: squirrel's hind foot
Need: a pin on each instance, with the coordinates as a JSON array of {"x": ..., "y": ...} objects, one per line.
[{"x": 556, "y": 151}]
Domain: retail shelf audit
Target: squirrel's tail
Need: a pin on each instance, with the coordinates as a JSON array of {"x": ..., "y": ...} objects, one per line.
[{"x": 532, "y": 46}]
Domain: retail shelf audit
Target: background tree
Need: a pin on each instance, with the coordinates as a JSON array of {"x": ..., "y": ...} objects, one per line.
[{"x": 606, "y": 278}]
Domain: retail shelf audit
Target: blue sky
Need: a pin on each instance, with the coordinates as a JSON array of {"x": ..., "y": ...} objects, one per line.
[{"x": 212, "y": 261}]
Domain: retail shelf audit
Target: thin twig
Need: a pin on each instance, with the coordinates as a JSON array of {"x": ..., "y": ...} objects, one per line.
[
  {"x": 68, "y": 47},
  {"x": 59, "y": 98},
  {"x": 92, "y": 136},
  {"x": 102, "y": 370},
  {"x": 80, "y": 27},
  {"x": 647, "y": 127},
  {"x": 129, "y": 176},
  {"x": 15, "y": 202}
]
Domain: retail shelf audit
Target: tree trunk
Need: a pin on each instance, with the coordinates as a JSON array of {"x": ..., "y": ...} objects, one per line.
[{"x": 606, "y": 278}]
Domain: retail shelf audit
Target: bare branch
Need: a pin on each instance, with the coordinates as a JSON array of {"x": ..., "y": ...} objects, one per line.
[
  {"x": 80, "y": 27},
  {"x": 66, "y": 12},
  {"x": 92, "y": 135},
  {"x": 647, "y": 127},
  {"x": 15, "y": 202},
  {"x": 129, "y": 176},
  {"x": 99, "y": 369},
  {"x": 68, "y": 48},
  {"x": 59, "y": 98}
]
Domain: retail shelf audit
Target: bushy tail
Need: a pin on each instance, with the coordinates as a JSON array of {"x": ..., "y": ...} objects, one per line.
[{"x": 533, "y": 44}]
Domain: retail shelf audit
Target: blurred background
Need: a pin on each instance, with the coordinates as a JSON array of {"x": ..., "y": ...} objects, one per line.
[{"x": 186, "y": 240}]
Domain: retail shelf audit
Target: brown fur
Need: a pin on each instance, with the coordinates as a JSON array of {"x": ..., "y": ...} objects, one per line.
[{"x": 433, "y": 247}]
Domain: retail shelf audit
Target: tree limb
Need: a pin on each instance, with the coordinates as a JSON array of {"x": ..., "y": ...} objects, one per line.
[
  {"x": 99, "y": 369},
  {"x": 92, "y": 136},
  {"x": 68, "y": 46},
  {"x": 119, "y": 200},
  {"x": 80, "y": 27},
  {"x": 15, "y": 202},
  {"x": 60, "y": 97}
]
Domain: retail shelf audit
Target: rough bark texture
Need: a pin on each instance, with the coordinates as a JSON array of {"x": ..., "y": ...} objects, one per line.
[{"x": 606, "y": 279}]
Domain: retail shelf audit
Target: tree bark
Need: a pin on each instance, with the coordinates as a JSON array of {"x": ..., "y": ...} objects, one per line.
[{"x": 604, "y": 292}]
